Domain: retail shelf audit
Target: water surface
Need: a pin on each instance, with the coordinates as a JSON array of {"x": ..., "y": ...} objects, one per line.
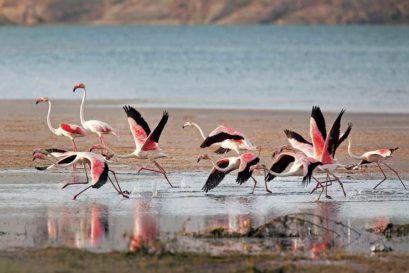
[{"x": 360, "y": 68}]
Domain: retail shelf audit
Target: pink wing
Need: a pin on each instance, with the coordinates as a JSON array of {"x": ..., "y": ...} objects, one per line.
[
  {"x": 138, "y": 132},
  {"x": 245, "y": 159},
  {"x": 72, "y": 129},
  {"x": 225, "y": 129},
  {"x": 97, "y": 168},
  {"x": 317, "y": 139},
  {"x": 383, "y": 152}
]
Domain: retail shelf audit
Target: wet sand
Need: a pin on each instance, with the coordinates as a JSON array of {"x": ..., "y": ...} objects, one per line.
[{"x": 24, "y": 128}]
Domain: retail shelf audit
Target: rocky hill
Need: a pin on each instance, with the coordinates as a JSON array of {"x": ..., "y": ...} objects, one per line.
[{"x": 34, "y": 12}]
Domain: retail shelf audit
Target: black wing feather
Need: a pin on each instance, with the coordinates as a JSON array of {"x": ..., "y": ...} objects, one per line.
[
  {"x": 344, "y": 135},
  {"x": 102, "y": 178},
  {"x": 219, "y": 138},
  {"x": 222, "y": 150},
  {"x": 135, "y": 115},
  {"x": 317, "y": 115},
  {"x": 215, "y": 177},
  {"x": 296, "y": 136},
  {"x": 158, "y": 130},
  {"x": 311, "y": 168},
  {"x": 67, "y": 160},
  {"x": 334, "y": 134},
  {"x": 245, "y": 175},
  {"x": 279, "y": 166}
]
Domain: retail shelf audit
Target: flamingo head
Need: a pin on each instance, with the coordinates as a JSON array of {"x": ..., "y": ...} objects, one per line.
[
  {"x": 96, "y": 147},
  {"x": 42, "y": 99},
  {"x": 77, "y": 86},
  {"x": 203, "y": 156},
  {"x": 187, "y": 124}
]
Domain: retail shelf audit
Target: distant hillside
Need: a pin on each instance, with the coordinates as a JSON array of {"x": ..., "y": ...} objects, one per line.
[{"x": 33, "y": 12}]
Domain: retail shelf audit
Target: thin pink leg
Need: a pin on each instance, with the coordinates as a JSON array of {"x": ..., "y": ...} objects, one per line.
[
  {"x": 393, "y": 170},
  {"x": 75, "y": 196},
  {"x": 74, "y": 147},
  {"x": 163, "y": 172}
]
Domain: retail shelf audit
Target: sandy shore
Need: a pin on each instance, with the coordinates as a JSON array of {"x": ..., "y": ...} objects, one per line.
[{"x": 24, "y": 128}]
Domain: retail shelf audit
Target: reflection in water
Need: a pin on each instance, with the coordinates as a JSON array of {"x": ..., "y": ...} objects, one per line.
[
  {"x": 85, "y": 229},
  {"x": 145, "y": 229}
]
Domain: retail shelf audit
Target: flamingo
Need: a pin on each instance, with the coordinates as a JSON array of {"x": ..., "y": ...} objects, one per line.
[
  {"x": 301, "y": 166},
  {"x": 226, "y": 137},
  {"x": 146, "y": 142},
  {"x": 323, "y": 147},
  {"x": 97, "y": 164},
  {"x": 95, "y": 126},
  {"x": 71, "y": 131},
  {"x": 245, "y": 163},
  {"x": 379, "y": 157}
]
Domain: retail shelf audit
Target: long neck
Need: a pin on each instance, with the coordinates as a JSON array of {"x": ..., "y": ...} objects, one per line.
[
  {"x": 350, "y": 151},
  {"x": 200, "y": 130},
  {"x": 52, "y": 129},
  {"x": 115, "y": 154},
  {"x": 82, "y": 108}
]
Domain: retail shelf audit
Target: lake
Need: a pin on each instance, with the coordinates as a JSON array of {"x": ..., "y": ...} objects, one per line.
[{"x": 360, "y": 68}]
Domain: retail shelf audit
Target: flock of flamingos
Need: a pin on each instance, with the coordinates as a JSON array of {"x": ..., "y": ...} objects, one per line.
[{"x": 300, "y": 158}]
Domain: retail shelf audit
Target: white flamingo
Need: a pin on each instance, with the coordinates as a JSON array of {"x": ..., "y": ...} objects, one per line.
[
  {"x": 225, "y": 137},
  {"x": 378, "y": 157},
  {"x": 71, "y": 131}
]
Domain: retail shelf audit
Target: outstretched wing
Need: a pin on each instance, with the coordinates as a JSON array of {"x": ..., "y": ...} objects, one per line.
[
  {"x": 280, "y": 164},
  {"x": 99, "y": 172},
  {"x": 216, "y": 176},
  {"x": 331, "y": 143},
  {"x": 345, "y": 135},
  {"x": 299, "y": 143},
  {"x": 318, "y": 131},
  {"x": 138, "y": 126},
  {"x": 153, "y": 139},
  {"x": 247, "y": 160},
  {"x": 210, "y": 140}
]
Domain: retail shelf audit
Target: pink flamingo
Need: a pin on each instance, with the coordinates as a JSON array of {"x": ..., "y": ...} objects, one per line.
[
  {"x": 97, "y": 164},
  {"x": 245, "y": 163},
  {"x": 226, "y": 137},
  {"x": 71, "y": 131},
  {"x": 146, "y": 141},
  {"x": 301, "y": 165},
  {"x": 323, "y": 147},
  {"x": 95, "y": 126},
  {"x": 379, "y": 157}
]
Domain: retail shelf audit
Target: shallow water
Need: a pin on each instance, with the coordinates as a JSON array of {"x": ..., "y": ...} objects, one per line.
[
  {"x": 36, "y": 213},
  {"x": 268, "y": 67}
]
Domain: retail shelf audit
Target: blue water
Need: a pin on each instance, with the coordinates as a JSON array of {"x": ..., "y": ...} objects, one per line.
[{"x": 360, "y": 68}]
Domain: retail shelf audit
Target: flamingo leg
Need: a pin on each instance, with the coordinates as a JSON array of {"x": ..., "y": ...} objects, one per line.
[
  {"x": 102, "y": 142},
  {"x": 255, "y": 184},
  {"x": 163, "y": 172},
  {"x": 340, "y": 183},
  {"x": 116, "y": 179},
  {"x": 393, "y": 170},
  {"x": 75, "y": 196},
  {"x": 77, "y": 183},
  {"x": 119, "y": 191},
  {"x": 265, "y": 181},
  {"x": 384, "y": 175},
  {"x": 74, "y": 147},
  {"x": 148, "y": 169}
]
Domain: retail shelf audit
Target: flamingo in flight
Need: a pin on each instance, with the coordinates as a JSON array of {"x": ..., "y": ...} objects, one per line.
[
  {"x": 68, "y": 130},
  {"x": 95, "y": 126},
  {"x": 378, "y": 157},
  {"x": 245, "y": 163},
  {"x": 226, "y": 137},
  {"x": 146, "y": 141},
  {"x": 301, "y": 165},
  {"x": 323, "y": 146},
  {"x": 97, "y": 164}
]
